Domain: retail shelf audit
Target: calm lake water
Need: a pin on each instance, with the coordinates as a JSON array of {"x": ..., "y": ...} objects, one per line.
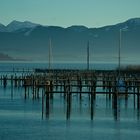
[
  {"x": 32, "y": 65},
  {"x": 22, "y": 119}
]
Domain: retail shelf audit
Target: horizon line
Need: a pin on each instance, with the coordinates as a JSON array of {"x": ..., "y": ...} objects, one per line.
[{"x": 67, "y": 26}]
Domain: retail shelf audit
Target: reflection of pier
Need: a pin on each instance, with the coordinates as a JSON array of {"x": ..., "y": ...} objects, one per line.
[{"x": 75, "y": 82}]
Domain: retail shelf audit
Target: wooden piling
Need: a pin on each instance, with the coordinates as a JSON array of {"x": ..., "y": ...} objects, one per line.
[
  {"x": 68, "y": 82},
  {"x": 91, "y": 104},
  {"x": 42, "y": 103},
  {"x": 47, "y": 104},
  {"x": 68, "y": 102},
  {"x": 4, "y": 81},
  {"x": 138, "y": 96},
  {"x": 11, "y": 86}
]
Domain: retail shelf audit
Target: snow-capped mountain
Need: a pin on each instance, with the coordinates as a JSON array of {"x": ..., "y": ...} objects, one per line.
[
  {"x": 16, "y": 25},
  {"x": 131, "y": 23},
  {"x": 135, "y": 21},
  {"x": 2, "y": 28},
  {"x": 30, "y": 41}
]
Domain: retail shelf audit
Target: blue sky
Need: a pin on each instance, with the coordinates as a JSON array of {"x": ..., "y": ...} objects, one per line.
[{"x": 91, "y": 13}]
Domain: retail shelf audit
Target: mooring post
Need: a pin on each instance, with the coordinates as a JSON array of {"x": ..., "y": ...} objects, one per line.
[
  {"x": 42, "y": 103},
  {"x": 25, "y": 87},
  {"x": 116, "y": 100},
  {"x": 51, "y": 90},
  {"x": 25, "y": 92},
  {"x": 28, "y": 89},
  {"x": 16, "y": 81},
  {"x": 80, "y": 88},
  {"x": 134, "y": 92},
  {"x": 65, "y": 88},
  {"x": 67, "y": 114},
  {"x": 38, "y": 92},
  {"x": 47, "y": 104},
  {"x": 68, "y": 102},
  {"x": 110, "y": 85},
  {"x": 32, "y": 85},
  {"x": 34, "y": 89},
  {"x": 104, "y": 81},
  {"x": 138, "y": 98},
  {"x": 61, "y": 85},
  {"x": 4, "y": 81},
  {"x": 115, "y": 96},
  {"x": 94, "y": 89},
  {"x": 115, "y": 105},
  {"x": 126, "y": 95},
  {"x": 126, "y": 92},
  {"x": 134, "y": 100},
  {"x": 91, "y": 104},
  {"x": 11, "y": 86}
]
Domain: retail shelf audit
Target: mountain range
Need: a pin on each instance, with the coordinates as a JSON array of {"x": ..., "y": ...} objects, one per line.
[{"x": 30, "y": 41}]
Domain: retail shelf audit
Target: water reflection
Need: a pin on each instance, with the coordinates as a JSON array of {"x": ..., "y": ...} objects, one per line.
[
  {"x": 122, "y": 123},
  {"x": 84, "y": 107},
  {"x": 116, "y": 113},
  {"x": 138, "y": 115}
]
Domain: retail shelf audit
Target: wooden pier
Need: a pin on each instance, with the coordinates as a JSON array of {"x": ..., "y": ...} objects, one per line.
[{"x": 45, "y": 83}]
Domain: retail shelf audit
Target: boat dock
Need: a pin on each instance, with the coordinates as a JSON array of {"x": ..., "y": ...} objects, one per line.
[{"x": 43, "y": 84}]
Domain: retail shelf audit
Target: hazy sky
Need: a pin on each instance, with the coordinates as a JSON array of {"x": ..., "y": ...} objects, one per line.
[{"x": 91, "y": 13}]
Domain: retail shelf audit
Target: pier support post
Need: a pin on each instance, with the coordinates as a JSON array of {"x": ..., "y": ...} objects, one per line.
[
  {"x": 4, "y": 81},
  {"x": 11, "y": 86},
  {"x": 47, "y": 104},
  {"x": 91, "y": 104},
  {"x": 51, "y": 90},
  {"x": 134, "y": 92},
  {"x": 42, "y": 103},
  {"x": 68, "y": 102},
  {"x": 115, "y": 104},
  {"x": 138, "y": 97}
]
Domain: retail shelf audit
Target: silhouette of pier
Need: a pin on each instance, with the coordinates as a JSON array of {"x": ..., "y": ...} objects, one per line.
[{"x": 45, "y": 83}]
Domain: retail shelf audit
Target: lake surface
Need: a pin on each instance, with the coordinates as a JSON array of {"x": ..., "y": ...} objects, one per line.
[
  {"x": 32, "y": 65},
  {"x": 22, "y": 119}
]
